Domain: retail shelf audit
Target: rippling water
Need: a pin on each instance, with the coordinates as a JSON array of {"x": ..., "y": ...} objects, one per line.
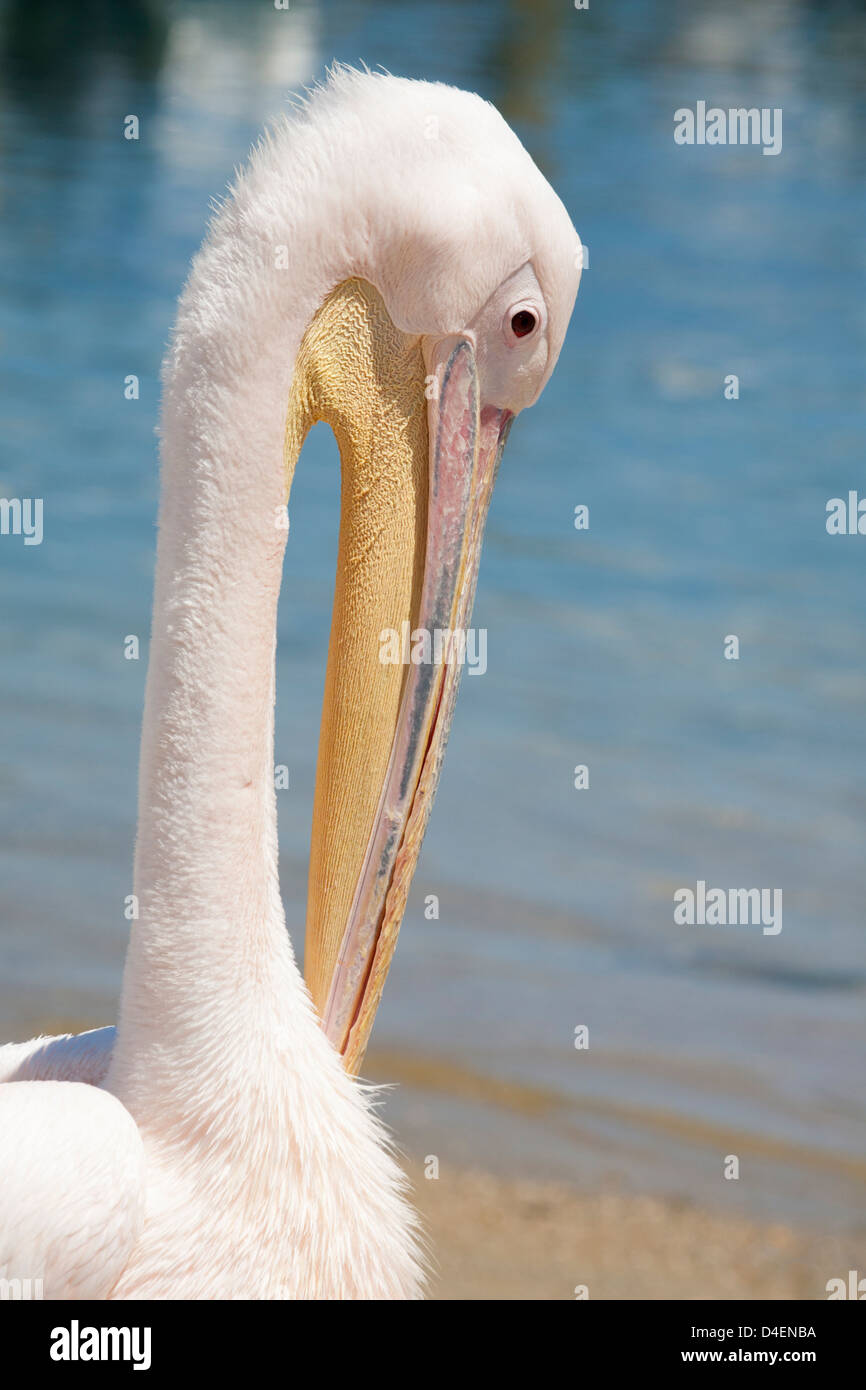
[{"x": 604, "y": 646}]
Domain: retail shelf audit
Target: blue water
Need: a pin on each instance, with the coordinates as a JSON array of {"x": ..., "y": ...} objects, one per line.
[{"x": 605, "y": 647}]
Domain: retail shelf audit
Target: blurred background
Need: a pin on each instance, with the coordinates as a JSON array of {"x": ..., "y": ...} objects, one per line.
[{"x": 558, "y": 1166}]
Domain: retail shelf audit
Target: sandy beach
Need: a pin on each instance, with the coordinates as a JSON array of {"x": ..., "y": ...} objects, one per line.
[{"x": 493, "y": 1238}]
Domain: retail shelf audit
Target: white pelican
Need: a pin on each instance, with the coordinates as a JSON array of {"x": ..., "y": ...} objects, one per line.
[{"x": 390, "y": 262}]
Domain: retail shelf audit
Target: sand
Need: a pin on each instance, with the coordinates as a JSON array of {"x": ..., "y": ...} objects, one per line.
[{"x": 495, "y": 1238}]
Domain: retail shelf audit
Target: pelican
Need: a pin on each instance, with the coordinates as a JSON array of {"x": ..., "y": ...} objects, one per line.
[{"x": 391, "y": 262}]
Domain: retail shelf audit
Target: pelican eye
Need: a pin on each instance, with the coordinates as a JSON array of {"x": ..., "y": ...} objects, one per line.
[{"x": 523, "y": 322}]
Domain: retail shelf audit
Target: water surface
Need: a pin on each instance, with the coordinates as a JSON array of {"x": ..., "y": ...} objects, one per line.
[{"x": 605, "y": 647}]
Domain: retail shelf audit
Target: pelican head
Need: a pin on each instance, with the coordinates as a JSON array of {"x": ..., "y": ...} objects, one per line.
[{"x": 459, "y": 269}]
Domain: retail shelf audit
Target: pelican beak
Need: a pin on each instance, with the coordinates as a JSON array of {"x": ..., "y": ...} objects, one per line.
[{"x": 384, "y": 731}]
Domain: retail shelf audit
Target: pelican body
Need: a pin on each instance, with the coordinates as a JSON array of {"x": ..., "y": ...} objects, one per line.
[{"x": 390, "y": 262}]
